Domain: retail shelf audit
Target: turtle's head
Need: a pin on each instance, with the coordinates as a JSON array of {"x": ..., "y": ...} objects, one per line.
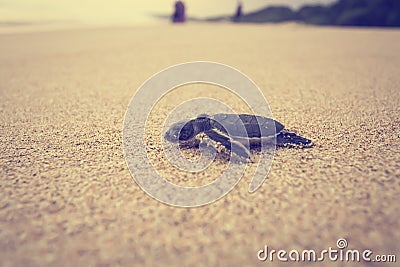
[{"x": 181, "y": 131}]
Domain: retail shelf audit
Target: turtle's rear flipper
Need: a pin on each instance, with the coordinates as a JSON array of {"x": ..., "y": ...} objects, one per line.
[
  {"x": 292, "y": 139},
  {"x": 231, "y": 144}
]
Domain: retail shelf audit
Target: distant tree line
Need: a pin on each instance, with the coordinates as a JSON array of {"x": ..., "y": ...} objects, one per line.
[{"x": 381, "y": 13}]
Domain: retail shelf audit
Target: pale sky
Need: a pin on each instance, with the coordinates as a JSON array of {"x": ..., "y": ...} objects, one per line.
[{"x": 123, "y": 11}]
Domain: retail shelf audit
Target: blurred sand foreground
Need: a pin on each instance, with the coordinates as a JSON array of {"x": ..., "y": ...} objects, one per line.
[{"x": 67, "y": 197}]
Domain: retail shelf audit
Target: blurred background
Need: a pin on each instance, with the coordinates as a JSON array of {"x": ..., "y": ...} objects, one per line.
[
  {"x": 19, "y": 12},
  {"x": 24, "y": 13},
  {"x": 16, "y": 14}
]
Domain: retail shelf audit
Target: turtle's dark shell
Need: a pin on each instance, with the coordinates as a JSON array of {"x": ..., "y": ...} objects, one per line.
[{"x": 256, "y": 126}]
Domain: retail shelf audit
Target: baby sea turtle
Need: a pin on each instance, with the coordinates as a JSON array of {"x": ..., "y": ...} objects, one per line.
[{"x": 227, "y": 130}]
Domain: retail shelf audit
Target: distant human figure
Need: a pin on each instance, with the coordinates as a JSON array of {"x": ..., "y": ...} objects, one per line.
[
  {"x": 238, "y": 13},
  {"x": 179, "y": 13}
]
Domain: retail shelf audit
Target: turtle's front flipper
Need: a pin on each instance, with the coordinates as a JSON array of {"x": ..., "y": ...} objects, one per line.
[
  {"x": 231, "y": 144},
  {"x": 290, "y": 138},
  {"x": 191, "y": 143}
]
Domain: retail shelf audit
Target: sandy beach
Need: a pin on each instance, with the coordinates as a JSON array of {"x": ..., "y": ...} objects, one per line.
[{"x": 67, "y": 197}]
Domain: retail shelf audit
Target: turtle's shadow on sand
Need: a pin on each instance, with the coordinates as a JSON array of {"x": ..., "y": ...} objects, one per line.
[{"x": 223, "y": 154}]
